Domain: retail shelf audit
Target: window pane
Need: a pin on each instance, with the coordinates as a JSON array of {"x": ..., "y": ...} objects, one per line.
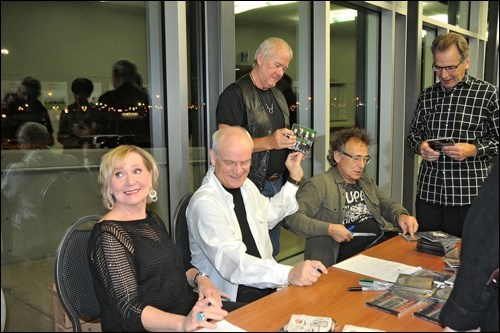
[
  {"x": 354, "y": 67},
  {"x": 197, "y": 110},
  {"x": 451, "y": 12},
  {"x": 44, "y": 190}
]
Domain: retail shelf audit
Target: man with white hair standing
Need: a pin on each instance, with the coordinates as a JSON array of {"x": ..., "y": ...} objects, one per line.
[{"x": 255, "y": 103}]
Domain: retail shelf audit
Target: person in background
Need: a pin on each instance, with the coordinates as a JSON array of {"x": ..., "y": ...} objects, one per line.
[
  {"x": 473, "y": 302},
  {"x": 75, "y": 119},
  {"x": 26, "y": 107},
  {"x": 228, "y": 222},
  {"x": 140, "y": 278},
  {"x": 342, "y": 201},
  {"x": 255, "y": 103},
  {"x": 125, "y": 109},
  {"x": 24, "y": 184},
  {"x": 465, "y": 109}
]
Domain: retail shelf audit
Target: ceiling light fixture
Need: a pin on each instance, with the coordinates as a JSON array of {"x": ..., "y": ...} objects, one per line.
[
  {"x": 243, "y": 6},
  {"x": 342, "y": 15}
]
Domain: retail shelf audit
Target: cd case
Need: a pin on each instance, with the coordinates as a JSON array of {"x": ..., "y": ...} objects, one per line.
[
  {"x": 438, "y": 236},
  {"x": 304, "y": 138},
  {"x": 392, "y": 303},
  {"x": 414, "y": 282},
  {"x": 304, "y": 323},
  {"x": 430, "y": 312},
  {"x": 408, "y": 237},
  {"x": 439, "y": 143}
]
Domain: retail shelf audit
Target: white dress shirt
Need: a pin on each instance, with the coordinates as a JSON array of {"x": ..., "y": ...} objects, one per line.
[{"x": 216, "y": 241}]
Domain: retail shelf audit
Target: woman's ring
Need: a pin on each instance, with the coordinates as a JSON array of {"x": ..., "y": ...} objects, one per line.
[{"x": 200, "y": 316}]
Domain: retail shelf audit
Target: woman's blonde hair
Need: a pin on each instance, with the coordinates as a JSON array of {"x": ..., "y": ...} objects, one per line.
[{"x": 109, "y": 162}]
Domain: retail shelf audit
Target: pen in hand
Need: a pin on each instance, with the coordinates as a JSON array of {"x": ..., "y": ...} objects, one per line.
[{"x": 351, "y": 227}]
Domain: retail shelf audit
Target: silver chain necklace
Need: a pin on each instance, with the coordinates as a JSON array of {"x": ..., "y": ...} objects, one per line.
[{"x": 269, "y": 109}]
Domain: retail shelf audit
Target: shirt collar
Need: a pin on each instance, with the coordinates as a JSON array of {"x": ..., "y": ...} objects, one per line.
[{"x": 466, "y": 81}]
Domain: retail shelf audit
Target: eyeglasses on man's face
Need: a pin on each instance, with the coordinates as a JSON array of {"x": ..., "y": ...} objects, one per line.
[
  {"x": 233, "y": 164},
  {"x": 448, "y": 69},
  {"x": 357, "y": 159}
]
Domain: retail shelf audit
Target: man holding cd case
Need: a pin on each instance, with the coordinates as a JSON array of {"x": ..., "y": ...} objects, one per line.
[{"x": 463, "y": 110}]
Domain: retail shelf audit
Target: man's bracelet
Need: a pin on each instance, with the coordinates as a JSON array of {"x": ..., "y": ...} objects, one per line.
[
  {"x": 293, "y": 181},
  {"x": 195, "y": 279}
]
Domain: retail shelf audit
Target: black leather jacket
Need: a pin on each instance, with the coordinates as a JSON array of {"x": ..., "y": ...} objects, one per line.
[{"x": 259, "y": 125}]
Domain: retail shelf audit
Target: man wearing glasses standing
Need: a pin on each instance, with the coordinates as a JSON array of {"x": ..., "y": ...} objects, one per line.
[
  {"x": 464, "y": 109},
  {"x": 342, "y": 211}
]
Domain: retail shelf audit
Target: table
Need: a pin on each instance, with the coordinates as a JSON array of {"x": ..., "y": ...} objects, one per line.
[{"x": 329, "y": 297}]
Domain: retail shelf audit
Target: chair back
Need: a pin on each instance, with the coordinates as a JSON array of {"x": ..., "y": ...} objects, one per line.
[
  {"x": 73, "y": 278},
  {"x": 181, "y": 234},
  {"x": 67, "y": 196}
]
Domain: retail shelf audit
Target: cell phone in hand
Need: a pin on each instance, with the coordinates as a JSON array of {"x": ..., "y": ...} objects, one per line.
[{"x": 438, "y": 144}]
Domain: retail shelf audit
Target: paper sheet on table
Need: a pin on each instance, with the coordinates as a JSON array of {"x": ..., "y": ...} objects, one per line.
[
  {"x": 222, "y": 326},
  {"x": 352, "y": 328},
  {"x": 376, "y": 268}
]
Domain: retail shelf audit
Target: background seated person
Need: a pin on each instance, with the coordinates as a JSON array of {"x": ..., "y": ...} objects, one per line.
[
  {"x": 229, "y": 221},
  {"x": 24, "y": 186},
  {"x": 343, "y": 197},
  {"x": 140, "y": 279}
]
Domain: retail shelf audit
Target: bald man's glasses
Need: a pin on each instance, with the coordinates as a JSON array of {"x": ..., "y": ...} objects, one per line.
[{"x": 233, "y": 164}]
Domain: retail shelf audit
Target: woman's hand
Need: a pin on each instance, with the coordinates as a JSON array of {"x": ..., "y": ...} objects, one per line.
[{"x": 202, "y": 315}]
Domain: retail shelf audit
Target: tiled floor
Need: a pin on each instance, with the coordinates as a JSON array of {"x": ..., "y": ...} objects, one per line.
[
  {"x": 27, "y": 288},
  {"x": 28, "y": 297}
]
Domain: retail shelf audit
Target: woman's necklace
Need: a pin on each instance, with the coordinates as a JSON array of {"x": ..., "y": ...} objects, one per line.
[{"x": 269, "y": 109}]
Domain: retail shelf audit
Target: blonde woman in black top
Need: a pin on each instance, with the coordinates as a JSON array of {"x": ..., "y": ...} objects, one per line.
[{"x": 140, "y": 279}]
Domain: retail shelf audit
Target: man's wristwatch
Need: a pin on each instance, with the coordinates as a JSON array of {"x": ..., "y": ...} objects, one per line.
[
  {"x": 293, "y": 181},
  {"x": 195, "y": 279}
]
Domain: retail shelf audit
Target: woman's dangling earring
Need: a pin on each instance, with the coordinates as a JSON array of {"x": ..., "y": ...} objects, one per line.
[
  {"x": 111, "y": 203},
  {"x": 153, "y": 195}
]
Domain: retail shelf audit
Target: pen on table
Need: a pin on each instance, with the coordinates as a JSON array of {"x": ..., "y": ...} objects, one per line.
[
  {"x": 362, "y": 289},
  {"x": 374, "y": 284},
  {"x": 375, "y": 281}
]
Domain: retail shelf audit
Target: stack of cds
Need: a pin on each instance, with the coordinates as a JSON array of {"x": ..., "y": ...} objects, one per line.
[{"x": 436, "y": 242}]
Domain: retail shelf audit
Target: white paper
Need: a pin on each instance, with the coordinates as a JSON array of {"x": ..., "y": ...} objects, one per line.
[
  {"x": 222, "y": 326},
  {"x": 377, "y": 268},
  {"x": 352, "y": 328}
]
